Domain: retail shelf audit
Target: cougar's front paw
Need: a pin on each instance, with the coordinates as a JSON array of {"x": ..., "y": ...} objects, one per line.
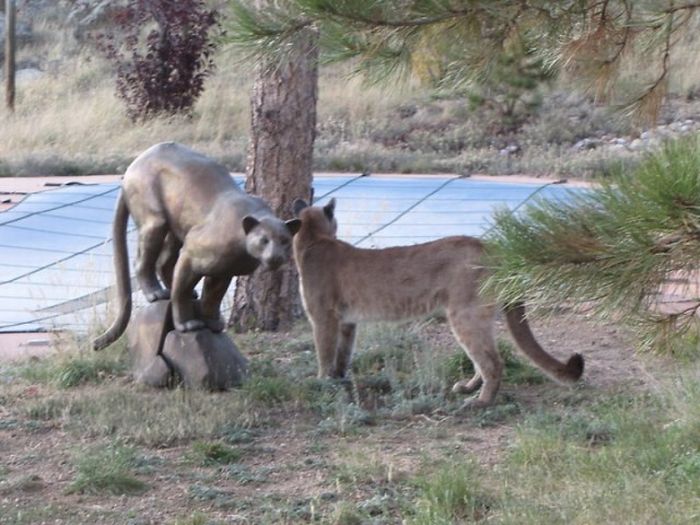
[
  {"x": 215, "y": 325},
  {"x": 190, "y": 326},
  {"x": 157, "y": 295}
]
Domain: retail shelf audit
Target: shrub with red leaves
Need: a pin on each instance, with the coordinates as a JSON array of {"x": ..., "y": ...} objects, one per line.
[{"x": 162, "y": 51}]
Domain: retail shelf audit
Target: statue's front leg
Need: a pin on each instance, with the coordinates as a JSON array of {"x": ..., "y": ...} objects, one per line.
[
  {"x": 167, "y": 260},
  {"x": 184, "y": 281},
  {"x": 213, "y": 293}
]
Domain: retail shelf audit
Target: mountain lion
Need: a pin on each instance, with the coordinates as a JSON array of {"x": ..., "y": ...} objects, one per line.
[
  {"x": 193, "y": 221},
  {"x": 342, "y": 285}
]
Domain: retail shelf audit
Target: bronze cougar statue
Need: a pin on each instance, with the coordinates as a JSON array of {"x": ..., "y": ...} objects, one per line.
[
  {"x": 193, "y": 222},
  {"x": 342, "y": 285}
]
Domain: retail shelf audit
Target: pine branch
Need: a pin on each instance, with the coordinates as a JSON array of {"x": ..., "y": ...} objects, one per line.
[
  {"x": 614, "y": 246},
  {"x": 597, "y": 42}
]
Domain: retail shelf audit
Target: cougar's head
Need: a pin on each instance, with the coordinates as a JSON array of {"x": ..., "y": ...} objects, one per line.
[
  {"x": 315, "y": 219},
  {"x": 269, "y": 240}
]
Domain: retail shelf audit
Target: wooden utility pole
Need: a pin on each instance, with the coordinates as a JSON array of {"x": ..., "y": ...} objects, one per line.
[{"x": 10, "y": 23}]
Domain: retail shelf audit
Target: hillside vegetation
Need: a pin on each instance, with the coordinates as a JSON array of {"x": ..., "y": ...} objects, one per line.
[{"x": 69, "y": 121}]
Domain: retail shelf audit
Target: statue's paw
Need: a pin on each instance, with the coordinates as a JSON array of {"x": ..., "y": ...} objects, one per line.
[
  {"x": 158, "y": 295},
  {"x": 190, "y": 326},
  {"x": 215, "y": 325}
]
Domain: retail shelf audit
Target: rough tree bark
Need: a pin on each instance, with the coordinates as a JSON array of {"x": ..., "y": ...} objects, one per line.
[{"x": 278, "y": 169}]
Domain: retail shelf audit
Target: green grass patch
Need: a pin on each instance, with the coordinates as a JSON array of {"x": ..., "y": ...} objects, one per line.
[
  {"x": 631, "y": 459},
  {"x": 451, "y": 494},
  {"x": 212, "y": 453},
  {"x": 348, "y": 514},
  {"x": 622, "y": 459},
  {"x": 196, "y": 518},
  {"x": 154, "y": 418},
  {"x": 269, "y": 391},
  {"x": 75, "y": 368},
  {"x": 107, "y": 469},
  {"x": 386, "y": 347}
]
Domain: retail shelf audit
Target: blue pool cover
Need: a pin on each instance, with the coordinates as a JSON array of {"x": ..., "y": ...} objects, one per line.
[{"x": 56, "y": 252}]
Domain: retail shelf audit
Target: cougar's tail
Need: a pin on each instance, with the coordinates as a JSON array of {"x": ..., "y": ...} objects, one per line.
[
  {"x": 121, "y": 268},
  {"x": 568, "y": 372}
]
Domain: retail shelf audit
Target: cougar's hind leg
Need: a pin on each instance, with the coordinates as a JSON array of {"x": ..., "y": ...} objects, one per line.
[
  {"x": 165, "y": 265},
  {"x": 151, "y": 239},
  {"x": 346, "y": 343},
  {"x": 212, "y": 295},
  {"x": 184, "y": 281},
  {"x": 326, "y": 331},
  {"x": 473, "y": 328}
]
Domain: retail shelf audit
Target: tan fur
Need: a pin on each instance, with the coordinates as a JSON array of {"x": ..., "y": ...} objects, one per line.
[
  {"x": 343, "y": 285},
  {"x": 193, "y": 222}
]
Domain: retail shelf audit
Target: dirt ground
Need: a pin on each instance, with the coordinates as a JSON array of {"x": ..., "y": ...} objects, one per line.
[{"x": 291, "y": 470}]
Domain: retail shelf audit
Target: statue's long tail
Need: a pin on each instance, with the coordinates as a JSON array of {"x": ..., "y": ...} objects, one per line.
[{"x": 121, "y": 268}]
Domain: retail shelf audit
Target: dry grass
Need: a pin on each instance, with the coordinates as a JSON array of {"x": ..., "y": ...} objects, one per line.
[{"x": 70, "y": 121}]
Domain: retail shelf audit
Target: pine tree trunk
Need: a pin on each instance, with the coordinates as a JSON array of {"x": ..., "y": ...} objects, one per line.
[{"x": 278, "y": 169}]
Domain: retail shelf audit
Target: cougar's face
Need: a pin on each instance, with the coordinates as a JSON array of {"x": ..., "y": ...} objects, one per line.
[{"x": 270, "y": 241}]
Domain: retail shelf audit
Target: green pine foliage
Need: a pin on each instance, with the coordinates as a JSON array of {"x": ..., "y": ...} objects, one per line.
[
  {"x": 612, "y": 247},
  {"x": 456, "y": 44}
]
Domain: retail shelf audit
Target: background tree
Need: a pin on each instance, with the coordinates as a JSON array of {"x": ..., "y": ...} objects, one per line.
[
  {"x": 278, "y": 169},
  {"x": 162, "y": 53},
  {"x": 604, "y": 44}
]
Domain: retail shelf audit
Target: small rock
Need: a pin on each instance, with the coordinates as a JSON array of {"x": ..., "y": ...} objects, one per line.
[
  {"x": 587, "y": 143},
  {"x": 637, "y": 145},
  {"x": 510, "y": 149},
  {"x": 665, "y": 131}
]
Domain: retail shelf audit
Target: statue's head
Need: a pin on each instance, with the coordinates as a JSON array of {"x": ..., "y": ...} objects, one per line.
[{"x": 269, "y": 239}]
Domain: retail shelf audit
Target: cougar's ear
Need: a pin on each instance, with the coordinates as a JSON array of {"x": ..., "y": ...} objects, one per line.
[
  {"x": 249, "y": 223},
  {"x": 329, "y": 209},
  {"x": 299, "y": 204},
  {"x": 293, "y": 225}
]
